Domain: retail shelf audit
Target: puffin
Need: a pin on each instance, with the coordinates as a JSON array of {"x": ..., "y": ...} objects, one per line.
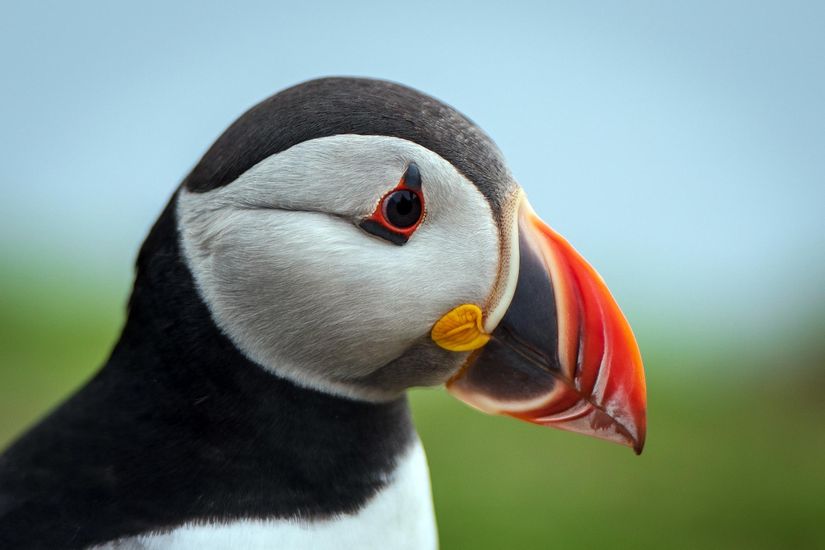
[{"x": 342, "y": 241}]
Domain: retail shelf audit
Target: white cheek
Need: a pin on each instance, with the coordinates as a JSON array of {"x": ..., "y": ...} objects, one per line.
[{"x": 313, "y": 297}]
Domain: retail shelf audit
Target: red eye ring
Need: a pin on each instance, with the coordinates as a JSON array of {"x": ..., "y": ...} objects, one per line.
[{"x": 400, "y": 211}]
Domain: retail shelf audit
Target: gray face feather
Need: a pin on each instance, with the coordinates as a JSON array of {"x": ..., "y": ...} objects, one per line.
[{"x": 288, "y": 275}]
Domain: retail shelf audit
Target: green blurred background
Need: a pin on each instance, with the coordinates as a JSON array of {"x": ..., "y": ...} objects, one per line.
[{"x": 680, "y": 148}]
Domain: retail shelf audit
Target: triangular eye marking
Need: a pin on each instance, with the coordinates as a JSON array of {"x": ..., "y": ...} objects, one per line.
[
  {"x": 412, "y": 178},
  {"x": 399, "y": 212}
]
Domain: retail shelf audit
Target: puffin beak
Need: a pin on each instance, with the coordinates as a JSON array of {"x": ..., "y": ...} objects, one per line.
[{"x": 563, "y": 354}]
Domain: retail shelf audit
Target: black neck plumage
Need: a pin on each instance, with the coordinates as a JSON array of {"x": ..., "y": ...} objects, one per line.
[{"x": 179, "y": 426}]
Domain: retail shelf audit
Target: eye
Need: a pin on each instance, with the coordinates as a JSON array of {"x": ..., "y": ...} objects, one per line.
[
  {"x": 402, "y": 208},
  {"x": 400, "y": 212}
]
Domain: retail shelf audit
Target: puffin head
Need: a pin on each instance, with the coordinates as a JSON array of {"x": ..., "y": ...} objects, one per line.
[{"x": 360, "y": 238}]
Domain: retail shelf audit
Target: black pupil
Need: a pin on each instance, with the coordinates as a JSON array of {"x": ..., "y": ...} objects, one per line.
[{"x": 402, "y": 209}]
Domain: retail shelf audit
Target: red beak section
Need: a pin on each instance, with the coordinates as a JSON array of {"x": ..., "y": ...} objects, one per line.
[{"x": 563, "y": 355}]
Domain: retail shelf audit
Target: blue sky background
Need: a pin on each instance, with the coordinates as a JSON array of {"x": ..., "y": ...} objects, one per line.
[{"x": 679, "y": 146}]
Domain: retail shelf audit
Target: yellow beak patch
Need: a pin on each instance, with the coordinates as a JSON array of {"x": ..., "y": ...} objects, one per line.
[{"x": 461, "y": 329}]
